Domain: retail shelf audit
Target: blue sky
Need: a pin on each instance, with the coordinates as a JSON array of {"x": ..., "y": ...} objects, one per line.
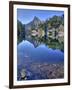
[{"x": 27, "y": 15}]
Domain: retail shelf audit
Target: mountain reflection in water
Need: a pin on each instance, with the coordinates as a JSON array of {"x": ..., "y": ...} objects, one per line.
[
  {"x": 42, "y": 53},
  {"x": 28, "y": 54}
]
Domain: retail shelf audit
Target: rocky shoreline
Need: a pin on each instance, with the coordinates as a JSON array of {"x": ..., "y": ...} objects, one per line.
[{"x": 36, "y": 71}]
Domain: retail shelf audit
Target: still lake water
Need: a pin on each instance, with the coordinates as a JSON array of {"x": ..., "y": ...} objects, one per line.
[{"x": 27, "y": 52}]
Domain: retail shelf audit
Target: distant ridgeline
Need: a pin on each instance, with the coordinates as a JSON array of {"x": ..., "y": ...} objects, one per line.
[{"x": 49, "y": 32}]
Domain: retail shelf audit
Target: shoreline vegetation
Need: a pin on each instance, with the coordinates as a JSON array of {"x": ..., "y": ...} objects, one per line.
[{"x": 49, "y": 32}]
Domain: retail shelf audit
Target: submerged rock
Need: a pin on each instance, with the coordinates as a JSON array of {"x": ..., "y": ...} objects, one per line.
[
  {"x": 38, "y": 71},
  {"x": 23, "y": 74}
]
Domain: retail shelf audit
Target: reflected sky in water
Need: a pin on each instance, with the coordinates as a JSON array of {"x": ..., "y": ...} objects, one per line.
[{"x": 27, "y": 52}]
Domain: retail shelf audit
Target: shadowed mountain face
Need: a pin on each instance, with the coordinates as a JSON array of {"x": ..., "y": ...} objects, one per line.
[{"x": 33, "y": 24}]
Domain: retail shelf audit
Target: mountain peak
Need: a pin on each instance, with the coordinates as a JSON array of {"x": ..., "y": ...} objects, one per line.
[
  {"x": 36, "y": 18},
  {"x": 33, "y": 24}
]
